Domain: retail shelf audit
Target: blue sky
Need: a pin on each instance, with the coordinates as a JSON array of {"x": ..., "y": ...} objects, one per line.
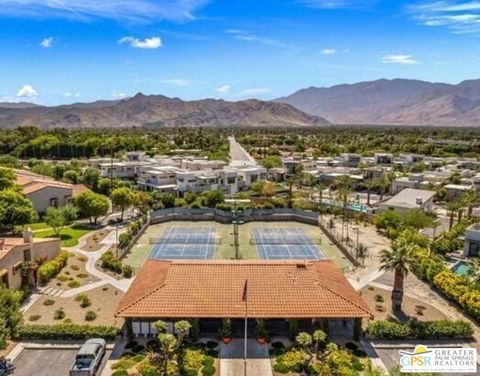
[{"x": 66, "y": 51}]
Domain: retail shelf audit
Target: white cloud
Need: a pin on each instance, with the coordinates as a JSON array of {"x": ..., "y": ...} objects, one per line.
[
  {"x": 148, "y": 43},
  {"x": 254, "y": 92},
  {"x": 181, "y": 82},
  {"x": 460, "y": 17},
  {"x": 118, "y": 95},
  {"x": 329, "y": 51},
  {"x": 223, "y": 90},
  {"x": 27, "y": 91},
  {"x": 337, "y": 4},
  {"x": 122, "y": 10},
  {"x": 245, "y": 36},
  {"x": 399, "y": 59},
  {"x": 70, "y": 94},
  {"x": 47, "y": 42}
]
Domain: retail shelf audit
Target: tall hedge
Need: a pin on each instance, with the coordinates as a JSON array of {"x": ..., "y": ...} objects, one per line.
[
  {"x": 384, "y": 329},
  {"x": 51, "y": 268},
  {"x": 67, "y": 331}
]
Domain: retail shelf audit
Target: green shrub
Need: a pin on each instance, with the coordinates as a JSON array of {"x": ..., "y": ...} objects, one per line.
[
  {"x": 84, "y": 300},
  {"x": 90, "y": 316},
  {"x": 110, "y": 262},
  {"x": 34, "y": 318},
  {"x": 59, "y": 314},
  {"x": 420, "y": 329},
  {"x": 82, "y": 275},
  {"x": 208, "y": 370},
  {"x": 49, "y": 302},
  {"x": 75, "y": 267},
  {"x": 120, "y": 372},
  {"x": 66, "y": 331},
  {"x": 280, "y": 368},
  {"x": 51, "y": 268},
  {"x": 208, "y": 360},
  {"x": 192, "y": 361},
  {"x": 62, "y": 278},
  {"x": 127, "y": 271},
  {"x": 73, "y": 284}
]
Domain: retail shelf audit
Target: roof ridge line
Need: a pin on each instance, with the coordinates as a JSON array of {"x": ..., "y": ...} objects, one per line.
[
  {"x": 345, "y": 298},
  {"x": 140, "y": 298}
]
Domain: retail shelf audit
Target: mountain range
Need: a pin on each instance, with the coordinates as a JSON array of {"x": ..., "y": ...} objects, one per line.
[
  {"x": 380, "y": 102},
  {"x": 398, "y": 102},
  {"x": 156, "y": 110}
]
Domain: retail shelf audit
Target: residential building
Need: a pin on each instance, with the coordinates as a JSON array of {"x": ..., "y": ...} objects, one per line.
[
  {"x": 14, "y": 252},
  {"x": 350, "y": 159},
  {"x": 471, "y": 244},
  {"x": 158, "y": 178},
  {"x": 123, "y": 169},
  {"x": 383, "y": 158},
  {"x": 45, "y": 192},
  {"x": 274, "y": 291},
  {"x": 409, "y": 199},
  {"x": 456, "y": 190}
]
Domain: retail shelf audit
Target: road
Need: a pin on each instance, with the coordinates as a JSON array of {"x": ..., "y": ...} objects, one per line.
[
  {"x": 48, "y": 362},
  {"x": 238, "y": 155}
]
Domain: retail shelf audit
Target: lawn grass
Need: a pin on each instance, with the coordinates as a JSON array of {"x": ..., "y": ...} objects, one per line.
[
  {"x": 68, "y": 235},
  {"x": 37, "y": 226}
]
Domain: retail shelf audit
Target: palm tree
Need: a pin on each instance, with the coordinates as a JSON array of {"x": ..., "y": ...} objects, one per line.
[
  {"x": 370, "y": 184},
  {"x": 361, "y": 252},
  {"x": 470, "y": 198},
  {"x": 398, "y": 260},
  {"x": 453, "y": 207},
  {"x": 319, "y": 336}
]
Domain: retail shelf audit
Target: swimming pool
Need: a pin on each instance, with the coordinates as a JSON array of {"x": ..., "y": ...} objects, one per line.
[
  {"x": 351, "y": 206},
  {"x": 461, "y": 268}
]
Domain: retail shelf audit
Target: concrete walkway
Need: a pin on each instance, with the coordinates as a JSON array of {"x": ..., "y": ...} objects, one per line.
[
  {"x": 232, "y": 361},
  {"x": 93, "y": 257}
]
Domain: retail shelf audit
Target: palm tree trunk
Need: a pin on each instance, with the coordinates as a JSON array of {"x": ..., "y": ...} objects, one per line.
[
  {"x": 451, "y": 220},
  {"x": 368, "y": 197},
  {"x": 397, "y": 293}
]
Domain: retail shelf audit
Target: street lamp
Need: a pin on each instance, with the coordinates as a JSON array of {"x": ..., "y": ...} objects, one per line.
[{"x": 236, "y": 223}]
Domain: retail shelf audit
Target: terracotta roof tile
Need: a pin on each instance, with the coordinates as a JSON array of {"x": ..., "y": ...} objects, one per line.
[{"x": 215, "y": 289}]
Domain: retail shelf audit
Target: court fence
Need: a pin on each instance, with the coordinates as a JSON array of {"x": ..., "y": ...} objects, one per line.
[
  {"x": 247, "y": 215},
  {"x": 252, "y": 215}
]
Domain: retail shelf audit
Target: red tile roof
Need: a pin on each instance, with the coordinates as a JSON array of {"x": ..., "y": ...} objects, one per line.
[{"x": 215, "y": 289}]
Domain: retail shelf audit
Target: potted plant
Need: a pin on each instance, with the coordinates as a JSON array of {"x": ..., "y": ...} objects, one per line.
[
  {"x": 225, "y": 332},
  {"x": 261, "y": 333}
]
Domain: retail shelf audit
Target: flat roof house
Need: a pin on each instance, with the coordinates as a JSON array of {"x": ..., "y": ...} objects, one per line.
[
  {"x": 213, "y": 290},
  {"x": 14, "y": 252},
  {"x": 409, "y": 199},
  {"x": 471, "y": 244}
]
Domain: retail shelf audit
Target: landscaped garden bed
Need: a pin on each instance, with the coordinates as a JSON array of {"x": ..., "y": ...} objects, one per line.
[
  {"x": 93, "y": 242},
  {"x": 72, "y": 275},
  {"x": 380, "y": 303},
  {"x": 95, "y": 307}
]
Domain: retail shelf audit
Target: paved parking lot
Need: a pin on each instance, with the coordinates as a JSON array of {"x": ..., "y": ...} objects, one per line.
[{"x": 48, "y": 362}]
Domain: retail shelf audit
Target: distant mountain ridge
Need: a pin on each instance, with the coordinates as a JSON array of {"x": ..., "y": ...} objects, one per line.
[
  {"x": 398, "y": 102},
  {"x": 159, "y": 110}
]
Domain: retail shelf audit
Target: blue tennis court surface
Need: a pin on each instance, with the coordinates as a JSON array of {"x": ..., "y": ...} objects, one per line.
[
  {"x": 285, "y": 243},
  {"x": 184, "y": 243}
]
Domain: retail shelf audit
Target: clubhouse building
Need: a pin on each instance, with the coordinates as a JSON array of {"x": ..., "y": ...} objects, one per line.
[{"x": 314, "y": 294}]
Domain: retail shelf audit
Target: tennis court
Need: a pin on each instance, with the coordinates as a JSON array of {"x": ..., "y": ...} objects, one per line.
[
  {"x": 184, "y": 243},
  {"x": 283, "y": 243}
]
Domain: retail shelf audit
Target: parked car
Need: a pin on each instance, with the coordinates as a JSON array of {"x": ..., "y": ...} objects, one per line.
[
  {"x": 89, "y": 358},
  {"x": 6, "y": 367}
]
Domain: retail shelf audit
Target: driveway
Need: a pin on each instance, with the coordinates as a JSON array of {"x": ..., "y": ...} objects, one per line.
[
  {"x": 48, "y": 362},
  {"x": 232, "y": 362}
]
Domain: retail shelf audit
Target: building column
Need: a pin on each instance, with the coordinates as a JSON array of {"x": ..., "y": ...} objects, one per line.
[{"x": 357, "y": 329}]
